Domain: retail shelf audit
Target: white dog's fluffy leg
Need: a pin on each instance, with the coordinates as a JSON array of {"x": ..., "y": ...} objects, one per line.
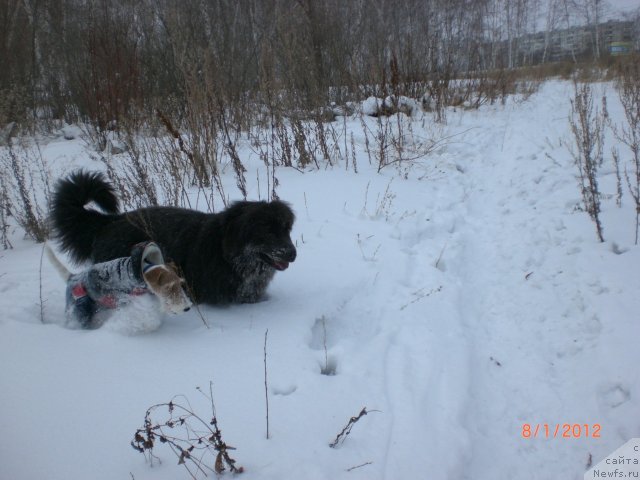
[{"x": 142, "y": 315}]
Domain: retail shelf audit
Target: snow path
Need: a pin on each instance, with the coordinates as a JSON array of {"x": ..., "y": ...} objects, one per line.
[{"x": 529, "y": 304}]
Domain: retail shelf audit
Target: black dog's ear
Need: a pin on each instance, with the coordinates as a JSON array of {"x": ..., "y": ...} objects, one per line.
[
  {"x": 235, "y": 228},
  {"x": 284, "y": 213}
]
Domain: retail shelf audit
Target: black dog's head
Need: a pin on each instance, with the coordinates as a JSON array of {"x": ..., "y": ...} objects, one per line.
[{"x": 261, "y": 230}]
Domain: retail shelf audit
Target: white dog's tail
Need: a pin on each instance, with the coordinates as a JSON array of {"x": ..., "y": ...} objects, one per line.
[{"x": 62, "y": 270}]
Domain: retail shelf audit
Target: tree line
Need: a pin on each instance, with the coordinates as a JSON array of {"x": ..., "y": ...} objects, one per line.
[{"x": 110, "y": 62}]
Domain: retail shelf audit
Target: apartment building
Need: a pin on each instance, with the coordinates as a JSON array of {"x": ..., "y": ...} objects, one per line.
[{"x": 614, "y": 37}]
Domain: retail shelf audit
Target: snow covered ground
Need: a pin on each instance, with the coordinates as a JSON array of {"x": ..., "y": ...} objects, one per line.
[{"x": 458, "y": 300}]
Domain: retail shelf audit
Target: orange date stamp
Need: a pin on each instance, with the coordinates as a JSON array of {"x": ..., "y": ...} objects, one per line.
[{"x": 561, "y": 430}]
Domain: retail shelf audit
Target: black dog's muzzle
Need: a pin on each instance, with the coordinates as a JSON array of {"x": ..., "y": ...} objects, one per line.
[{"x": 280, "y": 258}]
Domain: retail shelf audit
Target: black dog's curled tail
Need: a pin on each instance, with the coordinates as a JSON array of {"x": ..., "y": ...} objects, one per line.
[{"x": 75, "y": 226}]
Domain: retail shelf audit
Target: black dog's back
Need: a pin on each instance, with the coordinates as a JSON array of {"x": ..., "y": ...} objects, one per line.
[
  {"x": 225, "y": 257},
  {"x": 87, "y": 234},
  {"x": 178, "y": 230}
]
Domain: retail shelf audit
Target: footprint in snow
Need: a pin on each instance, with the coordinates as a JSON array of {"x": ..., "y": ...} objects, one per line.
[
  {"x": 596, "y": 287},
  {"x": 614, "y": 396},
  {"x": 284, "y": 390},
  {"x": 615, "y": 248},
  {"x": 8, "y": 286},
  {"x": 329, "y": 366}
]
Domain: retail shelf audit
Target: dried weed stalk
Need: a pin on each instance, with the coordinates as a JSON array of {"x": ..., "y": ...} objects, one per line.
[
  {"x": 587, "y": 126},
  {"x": 198, "y": 444},
  {"x": 340, "y": 438}
]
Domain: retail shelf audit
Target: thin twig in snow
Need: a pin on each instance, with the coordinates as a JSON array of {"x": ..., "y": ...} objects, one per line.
[{"x": 266, "y": 391}]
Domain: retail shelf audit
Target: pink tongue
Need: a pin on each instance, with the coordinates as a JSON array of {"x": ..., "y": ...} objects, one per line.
[{"x": 281, "y": 265}]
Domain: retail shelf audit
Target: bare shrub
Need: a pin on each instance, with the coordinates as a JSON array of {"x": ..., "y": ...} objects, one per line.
[
  {"x": 382, "y": 137},
  {"x": 587, "y": 126},
  {"x": 14, "y": 107},
  {"x": 27, "y": 190},
  {"x": 197, "y": 443},
  {"x": 323, "y": 134},
  {"x": 156, "y": 171},
  {"x": 4, "y": 212},
  {"x": 188, "y": 145},
  {"x": 297, "y": 143},
  {"x": 395, "y": 142},
  {"x": 628, "y": 87},
  {"x": 300, "y": 141},
  {"x": 230, "y": 141},
  {"x": 615, "y": 155}
]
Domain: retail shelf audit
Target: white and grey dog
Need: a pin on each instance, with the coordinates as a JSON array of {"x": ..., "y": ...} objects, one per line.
[{"x": 93, "y": 295}]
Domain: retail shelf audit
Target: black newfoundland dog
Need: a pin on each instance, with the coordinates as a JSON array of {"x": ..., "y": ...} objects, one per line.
[{"x": 225, "y": 257}]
